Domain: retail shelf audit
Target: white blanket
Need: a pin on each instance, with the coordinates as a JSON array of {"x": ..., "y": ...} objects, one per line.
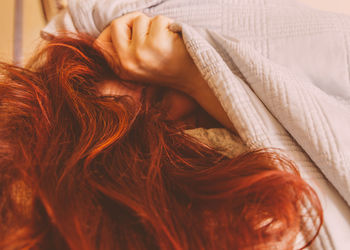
[{"x": 281, "y": 72}]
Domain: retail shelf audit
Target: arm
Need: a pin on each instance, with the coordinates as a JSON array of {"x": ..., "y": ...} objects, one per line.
[
  {"x": 205, "y": 97},
  {"x": 143, "y": 49}
]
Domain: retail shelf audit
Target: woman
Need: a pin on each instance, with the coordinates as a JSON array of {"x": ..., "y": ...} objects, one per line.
[{"x": 93, "y": 154}]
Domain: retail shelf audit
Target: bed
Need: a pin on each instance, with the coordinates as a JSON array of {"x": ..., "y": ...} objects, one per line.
[{"x": 281, "y": 72}]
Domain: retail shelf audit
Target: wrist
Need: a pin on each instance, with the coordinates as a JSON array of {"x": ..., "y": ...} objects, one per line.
[{"x": 195, "y": 84}]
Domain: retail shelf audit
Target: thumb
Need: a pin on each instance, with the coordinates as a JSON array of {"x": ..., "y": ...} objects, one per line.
[{"x": 105, "y": 45}]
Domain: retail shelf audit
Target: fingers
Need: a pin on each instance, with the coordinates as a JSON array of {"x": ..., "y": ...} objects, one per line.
[
  {"x": 135, "y": 44},
  {"x": 134, "y": 28},
  {"x": 159, "y": 27},
  {"x": 104, "y": 42},
  {"x": 105, "y": 36},
  {"x": 121, "y": 30},
  {"x": 140, "y": 29}
]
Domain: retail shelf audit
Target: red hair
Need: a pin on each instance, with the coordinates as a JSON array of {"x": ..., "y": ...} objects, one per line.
[{"x": 79, "y": 171}]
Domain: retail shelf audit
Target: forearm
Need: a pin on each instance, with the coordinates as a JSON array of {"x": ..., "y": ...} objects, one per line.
[{"x": 205, "y": 97}]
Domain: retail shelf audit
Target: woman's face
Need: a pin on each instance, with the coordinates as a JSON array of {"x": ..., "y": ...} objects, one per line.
[{"x": 177, "y": 104}]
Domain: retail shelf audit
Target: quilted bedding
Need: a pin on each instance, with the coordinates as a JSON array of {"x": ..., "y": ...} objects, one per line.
[{"x": 281, "y": 72}]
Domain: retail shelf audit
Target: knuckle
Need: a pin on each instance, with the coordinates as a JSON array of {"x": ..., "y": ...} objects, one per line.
[
  {"x": 137, "y": 15},
  {"x": 159, "y": 18},
  {"x": 141, "y": 17},
  {"x": 114, "y": 23}
]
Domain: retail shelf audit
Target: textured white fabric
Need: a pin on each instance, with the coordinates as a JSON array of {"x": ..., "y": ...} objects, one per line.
[{"x": 281, "y": 72}]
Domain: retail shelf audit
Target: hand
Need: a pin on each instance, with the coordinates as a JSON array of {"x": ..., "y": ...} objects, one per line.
[{"x": 143, "y": 49}]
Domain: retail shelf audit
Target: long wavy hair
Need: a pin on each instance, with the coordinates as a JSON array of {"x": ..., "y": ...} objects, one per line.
[{"x": 83, "y": 171}]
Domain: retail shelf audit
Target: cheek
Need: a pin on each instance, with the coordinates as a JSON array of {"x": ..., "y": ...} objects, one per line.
[{"x": 180, "y": 105}]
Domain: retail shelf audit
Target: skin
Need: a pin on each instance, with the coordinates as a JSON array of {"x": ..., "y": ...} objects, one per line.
[
  {"x": 179, "y": 104},
  {"x": 143, "y": 49}
]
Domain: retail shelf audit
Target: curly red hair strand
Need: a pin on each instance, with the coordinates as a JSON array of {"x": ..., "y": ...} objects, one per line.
[{"x": 81, "y": 171}]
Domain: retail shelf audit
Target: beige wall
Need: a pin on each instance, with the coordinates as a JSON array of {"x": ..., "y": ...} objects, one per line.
[
  {"x": 6, "y": 22},
  {"x": 33, "y": 21},
  {"x": 32, "y": 24},
  {"x": 342, "y": 6}
]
